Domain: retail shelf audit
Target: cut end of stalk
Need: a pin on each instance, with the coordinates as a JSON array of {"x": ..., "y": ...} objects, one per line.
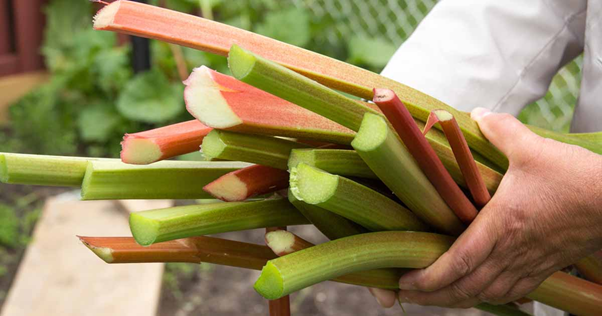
[
  {"x": 139, "y": 151},
  {"x": 212, "y": 145},
  {"x": 298, "y": 156},
  {"x": 270, "y": 283},
  {"x": 435, "y": 117},
  {"x": 106, "y": 254},
  {"x": 372, "y": 132},
  {"x": 280, "y": 241},
  {"x": 3, "y": 169},
  {"x": 204, "y": 100},
  {"x": 106, "y": 15},
  {"x": 228, "y": 188},
  {"x": 312, "y": 185},
  {"x": 240, "y": 62},
  {"x": 144, "y": 230},
  {"x": 383, "y": 95}
]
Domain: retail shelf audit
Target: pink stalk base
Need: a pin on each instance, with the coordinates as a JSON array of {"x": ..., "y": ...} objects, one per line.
[
  {"x": 403, "y": 122},
  {"x": 248, "y": 182},
  {"x": 163, "y": 143},
  {"x": 464, "y": 157}
]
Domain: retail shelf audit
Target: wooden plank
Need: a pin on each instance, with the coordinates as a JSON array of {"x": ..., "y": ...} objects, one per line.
[
  {"x": 5, "y": 27},
  {"x": 59, "y": 276},
  {"x": 14, "y": 87},
  {"x": 28, "y": 29}
]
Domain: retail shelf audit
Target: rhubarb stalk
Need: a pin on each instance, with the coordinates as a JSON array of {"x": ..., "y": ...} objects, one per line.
[
  {"x": 591, "y": 267},
  {"x": 187, "y": 30},
  {"x": 109, "y": 180},
  {"x": 223, "y": 102},
  {"x": 163, "y": 143},
  {"x": 393, "y": 164},
  {"x": 247, "y": 182},
  {"x": 337, "y": 161},
  {"x": 423, "y": 153},
  {"x": 458, "y": 143},
  {"x": 149, "y": 227},
  {"x": 263, "y": 150},
  {"x": 281, "y": 306},
  {"x": 330, "y": 224},
  {"x": 351, "y": 200},
  {"x": 193, "y": 250},
  {"x": 298, "y": 270}
]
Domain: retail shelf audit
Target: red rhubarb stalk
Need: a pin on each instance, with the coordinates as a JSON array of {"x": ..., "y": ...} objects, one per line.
[
  {"x": 281, "y": 306},
  {"x": 282, "y": 242},
  {"x": 224, "y": 102},
  {"x": 193, "y": 250},
  {"x": 163, "y": 143},
  {"x": 402, "y": 121},
  {"x": 248, "y": 182},
  {"x": 459, "y": 146},
  {"x": 591, "y": 267}
]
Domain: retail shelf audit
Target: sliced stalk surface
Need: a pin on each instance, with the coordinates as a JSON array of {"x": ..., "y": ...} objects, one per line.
[
  {"x": 44, "y": 170},
  {"x": 194, "y": 250},
  {"x": 337, "y": 161},
  {"x": 175, "y": 27},
  {"x": 282, "y": 242},
  {"x": 223, "y": 102},
  {"x": 155, "y": 226},
  {"x": 248, "y": 182},
  {"x": 394, "y": 165},
  {"x": 298, "y": 270},
  {"x": 467, "y": 164},
  {"x": 281, "y": 306},
  {"x": 330, "y": 224},
  {"x": 351, "y": 200},
  {"x": 109, "y": 180},
  {"x": 591, "y": 267},
  {"x": 413, "y": 139},
  {"x": 263, "y": 150},
  {"x": 163, "y": 142}
]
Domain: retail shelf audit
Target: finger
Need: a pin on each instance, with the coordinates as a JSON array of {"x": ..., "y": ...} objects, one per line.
[
  {"x": 467, "y": 253},
  {"x": 385, "y": 298},
  {"x": 523, "y": 287},
  {"x": 460, "y": 293},
  {"x": 497, "y": 291},
  {"x": 503, "y": 130}
]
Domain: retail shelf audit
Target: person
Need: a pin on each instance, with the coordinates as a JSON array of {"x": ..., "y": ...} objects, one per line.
[{"x": 495, "y": 57}]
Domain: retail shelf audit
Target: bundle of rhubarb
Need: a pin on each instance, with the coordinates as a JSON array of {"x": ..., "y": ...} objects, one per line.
[{"x": 284, "y": 147}]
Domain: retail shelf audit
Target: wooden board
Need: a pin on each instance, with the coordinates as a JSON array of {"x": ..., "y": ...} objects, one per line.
[
  {"x": 14, "y": 87},
  {"x": 59, "y": 276}
]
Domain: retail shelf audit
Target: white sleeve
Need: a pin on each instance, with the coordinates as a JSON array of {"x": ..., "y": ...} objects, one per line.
[{"x": 500, "y": 55}]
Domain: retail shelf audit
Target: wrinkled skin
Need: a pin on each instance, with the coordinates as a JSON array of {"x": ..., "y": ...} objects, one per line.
[{"x": 545, "y": 215}]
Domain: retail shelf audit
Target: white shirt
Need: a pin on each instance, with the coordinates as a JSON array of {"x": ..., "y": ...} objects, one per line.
[{"x": 502, "y": 55}]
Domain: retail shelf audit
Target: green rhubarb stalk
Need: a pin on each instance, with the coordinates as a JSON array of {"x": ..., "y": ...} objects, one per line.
[
  {"x": 330, "y": 224},
  {"x": 393, "y": 164},
  {"x": 337, "y": 161},
  {"x": 590, "y": 141},
  {"x": 263, "y": 150},
  {"x": 284, "y": 243},
  {"x": 44, "y": 170},
  {"x": 304, "y": 268},
  {"x": 149, "y": 227},
  {"x": 351, "y": 200},
  {"x": 109, "y": 180}
]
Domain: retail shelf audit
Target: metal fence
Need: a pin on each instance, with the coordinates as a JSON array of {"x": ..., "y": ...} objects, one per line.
[{"x": 396, "y": 19}]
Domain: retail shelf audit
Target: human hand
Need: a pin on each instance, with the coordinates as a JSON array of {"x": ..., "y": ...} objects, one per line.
[{"x": 545, "y": 215}]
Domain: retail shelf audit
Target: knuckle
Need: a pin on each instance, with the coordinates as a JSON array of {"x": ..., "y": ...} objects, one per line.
[
  {"x": 460, "y": 293},
  {"x": 463, "y": 263}
]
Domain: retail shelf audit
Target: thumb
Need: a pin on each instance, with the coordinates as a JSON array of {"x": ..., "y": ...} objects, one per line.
[{"x": 503, "y": 130}]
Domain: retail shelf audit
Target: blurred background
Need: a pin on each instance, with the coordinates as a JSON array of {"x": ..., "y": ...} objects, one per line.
[{"x": 66, "y": 89}]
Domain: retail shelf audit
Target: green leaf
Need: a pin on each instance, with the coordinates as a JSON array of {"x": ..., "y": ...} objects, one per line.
[
  {"x": 111, "y": 69},
  {"x": 371, "y": 51},
  {"x": 9, "y": 226},
  {"x": 97, "y": 122},
  {"x": 151, "y": 98},
  {"x": 290, "y": 26}
]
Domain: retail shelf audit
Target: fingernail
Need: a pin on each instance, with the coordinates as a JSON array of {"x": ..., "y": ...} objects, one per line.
[
  {"x": 407, "y": 285},
  {"x": 479, "y": 113}
]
